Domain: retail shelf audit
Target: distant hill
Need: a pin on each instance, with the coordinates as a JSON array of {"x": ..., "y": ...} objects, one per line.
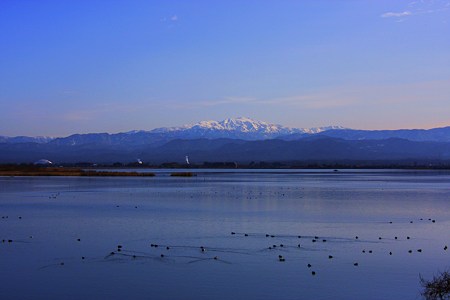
[
  {"x": 206, "y": 150},
  {"x": 237, "y": 140},
  {"x": 419, "y": 135},
  {"x": 238, "y": 128},
  {"x": 25, "y": 139},
  {"x": 317, "y": 149}
]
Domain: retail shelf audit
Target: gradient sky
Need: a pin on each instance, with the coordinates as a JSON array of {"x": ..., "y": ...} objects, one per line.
[{"x": 110, "y": 66}]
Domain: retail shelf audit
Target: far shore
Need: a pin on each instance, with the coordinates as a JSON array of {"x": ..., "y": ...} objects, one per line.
[
  {"x": 65, "y": 171},
  {"x": 181, "y": 170}
]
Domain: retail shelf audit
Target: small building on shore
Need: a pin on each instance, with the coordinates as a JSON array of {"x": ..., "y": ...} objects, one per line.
[{"x": 43, "y": 162}]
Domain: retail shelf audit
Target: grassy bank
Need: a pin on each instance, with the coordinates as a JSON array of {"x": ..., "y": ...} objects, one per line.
[
  {"x": 63, "y": 171},
  {"x": 183, "y": 174}
]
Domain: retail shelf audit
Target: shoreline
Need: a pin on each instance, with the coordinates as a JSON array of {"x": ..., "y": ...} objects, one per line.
[
  {"x": 54, "y": 171},
  {"x": 40, "y": 171}
]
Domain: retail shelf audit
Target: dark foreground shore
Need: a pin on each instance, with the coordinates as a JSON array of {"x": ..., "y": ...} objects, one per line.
[{"x": 64, "y": 171}]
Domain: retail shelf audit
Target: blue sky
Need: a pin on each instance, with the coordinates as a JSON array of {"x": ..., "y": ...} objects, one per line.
[{"x": 109, "y": 66}]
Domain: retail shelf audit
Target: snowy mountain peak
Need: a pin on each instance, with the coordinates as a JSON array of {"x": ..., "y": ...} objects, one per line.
[
  {"x": 240, "y": 128},
  {"x": 232, "y": 128},
  {"x": 321, "y": 129},
  {"x": 241, "y": 124},
  {"x": 26, "y": 139}
]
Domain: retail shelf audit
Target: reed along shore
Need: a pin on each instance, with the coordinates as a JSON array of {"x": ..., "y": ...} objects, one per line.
[{"x": 64, "y": 171}]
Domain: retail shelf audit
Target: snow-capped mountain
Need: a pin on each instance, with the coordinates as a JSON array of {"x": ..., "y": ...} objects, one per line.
[
  {"x": 25, "y": 139},
  {"x": 241, "y": 124},
  {"x": 232, "y": 140},
  {"x": 240, "y": 128},
  {"x": 233, "y": 128}
]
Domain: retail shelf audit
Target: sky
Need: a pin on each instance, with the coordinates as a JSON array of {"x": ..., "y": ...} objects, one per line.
[{"x": 113, "y": 66}]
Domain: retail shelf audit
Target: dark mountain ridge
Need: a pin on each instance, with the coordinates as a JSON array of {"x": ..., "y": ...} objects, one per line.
[
  {"x": 234, "y": 140},
  {"x": 315, "y": 148},
  {"x": 441, "y": 134}
]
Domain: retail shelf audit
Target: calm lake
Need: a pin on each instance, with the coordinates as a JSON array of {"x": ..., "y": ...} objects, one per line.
[{"x": 342, "y": 235}]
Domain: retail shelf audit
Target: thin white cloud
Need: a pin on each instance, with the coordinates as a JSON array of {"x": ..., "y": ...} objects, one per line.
[
  {"x": 420, "y": 7},
  {"x": 105, "y": 109},
  {"x": 343, "y": 97},
  {"x": 322, "y": 100},
  {"x": 396, "y": 14},
  {"x": 173, "y": 18},
  {"x": 209, "y": 103}
]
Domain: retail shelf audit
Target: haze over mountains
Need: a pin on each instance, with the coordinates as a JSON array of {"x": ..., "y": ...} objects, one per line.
[{"x": 239, "y": 139}]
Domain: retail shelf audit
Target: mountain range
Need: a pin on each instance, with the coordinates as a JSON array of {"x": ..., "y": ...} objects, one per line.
[
  {"x": 240, "y": 139},
  {"x": 238, "y": 128}
]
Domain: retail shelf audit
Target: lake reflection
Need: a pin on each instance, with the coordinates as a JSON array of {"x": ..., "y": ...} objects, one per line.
[{"x": 65, "y": 235}]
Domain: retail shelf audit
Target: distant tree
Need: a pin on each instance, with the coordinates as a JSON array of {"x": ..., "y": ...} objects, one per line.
[{"x": 438, "y": 288}]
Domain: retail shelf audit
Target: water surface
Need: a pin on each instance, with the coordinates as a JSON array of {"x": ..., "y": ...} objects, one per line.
[{"x": 63, "y": 230}]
